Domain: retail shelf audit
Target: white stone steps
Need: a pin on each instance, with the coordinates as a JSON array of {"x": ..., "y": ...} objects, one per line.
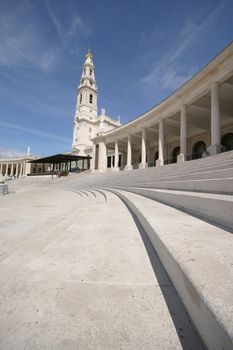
[
  {"x": 198, "y": 258},
  {"x": 75, "y": 274},
  {"x": 88, "y": 192},
  {"x": 99, "y": 192},
  {"x": 205, "y": 174},
  {"x": 165, "y": 171},
  {"x": 218, "y": 185},
  {"x": 217, "y": 208},
  {"x": 193, "y": 177},
  {"x": 170, "y": 181},
  {"x": 217, "y": 161},
  {"x": 197, "y": 163}
]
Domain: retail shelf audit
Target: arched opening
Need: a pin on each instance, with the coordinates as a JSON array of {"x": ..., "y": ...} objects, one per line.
[
  {"x": 175, "y": 153},
  {"x": 96, "y": 156},
  {"x": 156, "y": 156},
  {"x": 227, "y": 141},
  {"x": 81, "y": 98},
  {"x": 91, "y": 98},
  {"x": 109, "y": 161},
  {"x": 198, "y": 149}
]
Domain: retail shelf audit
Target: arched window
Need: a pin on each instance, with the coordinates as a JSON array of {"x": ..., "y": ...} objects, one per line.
[
  {"x": 156, "y": 156},
  {"x": 175, "y": 153},
  {"x": 80, "y": 98},
  {"x": 227, "y": 141},
  {"x": 84, "y": 71},
  {"x": 90, "y": 71},
  {"x": 198, "y": 149},
  {"x": 91, "y": 98}
]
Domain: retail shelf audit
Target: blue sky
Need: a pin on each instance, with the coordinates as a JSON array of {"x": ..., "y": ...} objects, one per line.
[{"x": 142, "y": 49}]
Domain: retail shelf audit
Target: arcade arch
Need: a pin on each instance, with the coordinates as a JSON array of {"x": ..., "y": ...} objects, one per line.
[{"x": 227, "y": 141}]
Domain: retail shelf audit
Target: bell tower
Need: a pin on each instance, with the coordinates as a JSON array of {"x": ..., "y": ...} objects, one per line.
[{"x": 86, "y": 108}]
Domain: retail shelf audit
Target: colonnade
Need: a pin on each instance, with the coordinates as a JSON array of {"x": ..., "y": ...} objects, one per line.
[
  {"x": 13, "y": 169},
  {"x": 214, "y": 147}
]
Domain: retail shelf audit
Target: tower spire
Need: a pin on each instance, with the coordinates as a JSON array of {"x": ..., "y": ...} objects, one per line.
[
  {"x": 86, "y": 107},
  {"x": 89, "y": 55}
]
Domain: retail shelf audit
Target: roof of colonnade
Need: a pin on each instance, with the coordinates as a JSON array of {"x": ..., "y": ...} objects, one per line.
[{"x": 16, "y": 159}]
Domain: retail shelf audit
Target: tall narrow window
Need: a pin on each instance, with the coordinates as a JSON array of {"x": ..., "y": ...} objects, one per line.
[
  {"x": 91, "y": 98},
  {"x": 90, "y": 71},
  {"x": 80, "y": 98}
]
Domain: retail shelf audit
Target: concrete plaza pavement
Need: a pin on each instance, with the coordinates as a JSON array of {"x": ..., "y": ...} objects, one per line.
[{"x": 77, "y": 272}]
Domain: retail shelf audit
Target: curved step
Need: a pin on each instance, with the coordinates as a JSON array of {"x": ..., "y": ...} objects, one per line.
[
  {"x": 192, "y": 174},
  {"x": 198, "y": 258},
  {"x": 217, "y": 208},
  {"x": 101, "y": 192},
  {"x": 221, "y": 185}
]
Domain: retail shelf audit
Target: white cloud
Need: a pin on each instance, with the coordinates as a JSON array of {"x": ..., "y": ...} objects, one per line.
[
  {"x": 167, "y": 71},
  {"x": 24, "y": 43},
  {"x": 192, "y": 32},
  {"x": 77, "y": 25},
  {"x": 21, "y": 43},
  {"x": 171, "y": 79},
  {"x": 54, "y": 19},
  {"x": 36, "y": 132},
  {"x": 10, "y": 153}
]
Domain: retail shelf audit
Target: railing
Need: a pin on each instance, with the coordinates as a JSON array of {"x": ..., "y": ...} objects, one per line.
[
  {"x": 170, "y": 161},
  {"x": 227, "y": 148},
  {"x": 151, "y": 164},
  {"x": 197, "y": 155}
]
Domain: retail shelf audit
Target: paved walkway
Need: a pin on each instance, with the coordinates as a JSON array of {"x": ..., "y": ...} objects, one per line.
[{"x": 77, "y": 272}]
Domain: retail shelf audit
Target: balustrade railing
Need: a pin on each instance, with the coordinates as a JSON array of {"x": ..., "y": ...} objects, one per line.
[{"x": 227, "y": 148}]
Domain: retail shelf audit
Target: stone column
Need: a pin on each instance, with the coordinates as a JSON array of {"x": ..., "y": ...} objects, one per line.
[
  {"x": 24, "y": 168},
  {"x": 17, "y": 170},
  {"x": 160, "y": 161},
  {"x": 27, "y": 168},
  {"x": 102, "y": 163},
  {"x": 129, "y": 155},
  {"x": 12, "y": 169},
  {"x": 116, "y": 168},
  {"x": 183, "y": 135},
  {"x": 215, "y": 146},
  {"x": 7, "y": 166},
  {"x": 93, "y": 158},
  {"x": 143, "y": 163},
  {"x": 21, "y": 169},
  {"x": 1, "y": 165}
]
